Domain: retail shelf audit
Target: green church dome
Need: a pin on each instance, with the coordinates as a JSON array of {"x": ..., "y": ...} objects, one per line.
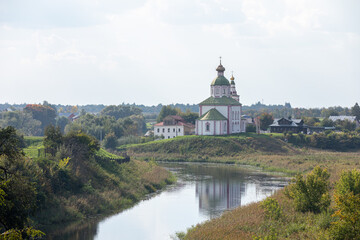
[{"x": 220, "y": 80}]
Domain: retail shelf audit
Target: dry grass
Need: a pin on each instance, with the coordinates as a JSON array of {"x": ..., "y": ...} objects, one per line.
[{"x": 248, "y": 221}]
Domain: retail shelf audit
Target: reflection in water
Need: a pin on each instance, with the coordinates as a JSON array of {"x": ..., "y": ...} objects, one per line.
[
  {"x": 216, "y": 196},
  {"x": 203, "y": 191}
]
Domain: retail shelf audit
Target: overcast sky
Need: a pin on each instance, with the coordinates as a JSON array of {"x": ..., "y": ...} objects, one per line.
[{"x": 306, "y": 52}]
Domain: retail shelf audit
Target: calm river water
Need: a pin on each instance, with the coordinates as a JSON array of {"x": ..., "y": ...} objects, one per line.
[{"x": 203, "y": 191}]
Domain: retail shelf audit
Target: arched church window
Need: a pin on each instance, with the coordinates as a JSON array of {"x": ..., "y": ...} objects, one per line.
[{"x": 207, "y": 127}]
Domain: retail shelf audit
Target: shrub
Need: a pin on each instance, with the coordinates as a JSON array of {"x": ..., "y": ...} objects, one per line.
[
  {"x": 312, "y": 193},
  {"x": 347, "y": 199},
  {"x": 272, "y": 208}
]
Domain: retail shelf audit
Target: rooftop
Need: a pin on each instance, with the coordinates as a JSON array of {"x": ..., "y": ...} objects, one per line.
[{"x": 212, "y": 114}]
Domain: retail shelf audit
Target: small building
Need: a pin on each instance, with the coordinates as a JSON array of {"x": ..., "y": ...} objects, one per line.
[
  {"x": 343, "y": 118},
  {"x": 173, "y": 126},
  {"x": 281, "y": 125}
]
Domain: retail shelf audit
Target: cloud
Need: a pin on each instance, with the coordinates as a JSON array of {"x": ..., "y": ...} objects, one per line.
[
  {"x": 41, "y": 14},
  {"x": 160, "y": 51}
]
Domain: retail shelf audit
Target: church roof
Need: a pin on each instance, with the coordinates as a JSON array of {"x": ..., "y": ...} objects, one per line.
[
  {"x": 223, "y": 101},
  {"x": 212, "y": 114},
  {"x": 220, "y": 80}
]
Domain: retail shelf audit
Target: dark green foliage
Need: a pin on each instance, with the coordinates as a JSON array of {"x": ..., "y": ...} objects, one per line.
[
  {"x": 22, "y": 121},
  {"x": 311, "y": 121},
  {"x": 355, "y": 111},
  {"x": 266, "y": 120},
  {"x": 250, "y": 128},
  {"x": 166, "y": 111},
  {"x": 53, "y": 139},
  {"x": 345, "y": 125},
  {"x": 120, "y": 111},
  {"x": 327, "y": 140},
  {"x": 189, "y": 117},
  {"x": 327, "y": 123},
  {"x": 80, "y": 145},
  {"x": 110, "y": 141},
  {"x": 61, "y": 122},
  {"x": 10, "y": 145},
  {"x": 312, "y": 193},
  {"x": 44, "y": 113},
  {"x": 17, "y": 191}
]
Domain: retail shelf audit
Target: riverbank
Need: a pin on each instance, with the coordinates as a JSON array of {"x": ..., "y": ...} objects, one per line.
[
  {"x": 249, "y": 222},
  {"x": 92, "y": 187}
]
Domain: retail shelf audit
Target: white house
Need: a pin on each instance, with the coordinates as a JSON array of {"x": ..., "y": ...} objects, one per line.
[
  {"x": 173, "y": 126},
  {"x": 220, "y": 114}
]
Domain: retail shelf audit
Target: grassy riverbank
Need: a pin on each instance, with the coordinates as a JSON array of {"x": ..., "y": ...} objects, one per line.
[
  {"x": 102, "y": 183},
  {"x": 249, "y": 222}
]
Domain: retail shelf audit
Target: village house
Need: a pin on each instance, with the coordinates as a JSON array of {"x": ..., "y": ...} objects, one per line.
[
  {"x": 220, "y": 114},
  {"x": 281, "y": 125},
  {"x": 173, "y": 126}
]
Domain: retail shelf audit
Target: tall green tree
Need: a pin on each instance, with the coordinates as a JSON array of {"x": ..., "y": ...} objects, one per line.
[
  {"x": 45, "y": 114},
  {"x": 355, "y": 111},
  {"x": 53, "y": 139},
  {"x": 166, "y": 111},
  {"x": 17, "y": 193},
  {"x": 266, "y": 119}
]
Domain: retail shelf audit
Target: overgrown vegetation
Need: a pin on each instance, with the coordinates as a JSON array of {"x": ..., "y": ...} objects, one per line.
[{"x": 74, "y": 180}]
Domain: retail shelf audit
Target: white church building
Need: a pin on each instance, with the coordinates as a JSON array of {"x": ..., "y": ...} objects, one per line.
[{"x": 220, "y": 114}]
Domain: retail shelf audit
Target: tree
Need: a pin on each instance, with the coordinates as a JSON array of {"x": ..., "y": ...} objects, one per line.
[
  {"x": 17, "y": 193},
  {"x": 80, "y": 145},
  {"x": 266, "y": 120},
  {"x": 53, "y": 139},
  {"x": 355, "y": 111},
  {"x": 326, "y": 122},
  {"x": 22, "y": 121},
  {"x": 346, "y": 125},
  {"x": 311, "y": 121},
  {"x": 45, "y": 114},
  {"x": 189, "y": 117},
  {"x": 347, "y": 199},
  {"x": 110, "y": 141},
  {"x": 166, "y": 111},
  {"x": 61, "y": 122},
  {"x": 312, "y": 193},
  {"x": 120, "y": 111}
]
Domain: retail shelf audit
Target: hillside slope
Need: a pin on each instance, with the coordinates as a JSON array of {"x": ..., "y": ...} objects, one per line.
[
  {"x": 201, "y": 148},
  {"x": 97, "y": 184}
]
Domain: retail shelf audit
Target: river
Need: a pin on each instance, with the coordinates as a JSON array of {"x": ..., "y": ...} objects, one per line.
[{"x": 203, "y": 191}]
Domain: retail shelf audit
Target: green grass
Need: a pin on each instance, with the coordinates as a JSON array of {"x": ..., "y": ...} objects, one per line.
[
  {"x": 105, "y": 154},
  {"x": 33, "y": 145},
  {"x": 208, "y": 148}
]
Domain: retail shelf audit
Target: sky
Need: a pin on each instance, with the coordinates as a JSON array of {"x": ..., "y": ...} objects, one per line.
[{"x": 306, "y": 52}]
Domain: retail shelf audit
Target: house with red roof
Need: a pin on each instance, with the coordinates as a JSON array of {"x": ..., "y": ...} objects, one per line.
[{"x": 173, "y": 126}]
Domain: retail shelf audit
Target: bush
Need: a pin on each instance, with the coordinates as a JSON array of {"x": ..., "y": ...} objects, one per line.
[
  {"x": 312, "y": 193},
  {"x": 272, "y": 208},
  {"x": 347, "y": 199}
]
